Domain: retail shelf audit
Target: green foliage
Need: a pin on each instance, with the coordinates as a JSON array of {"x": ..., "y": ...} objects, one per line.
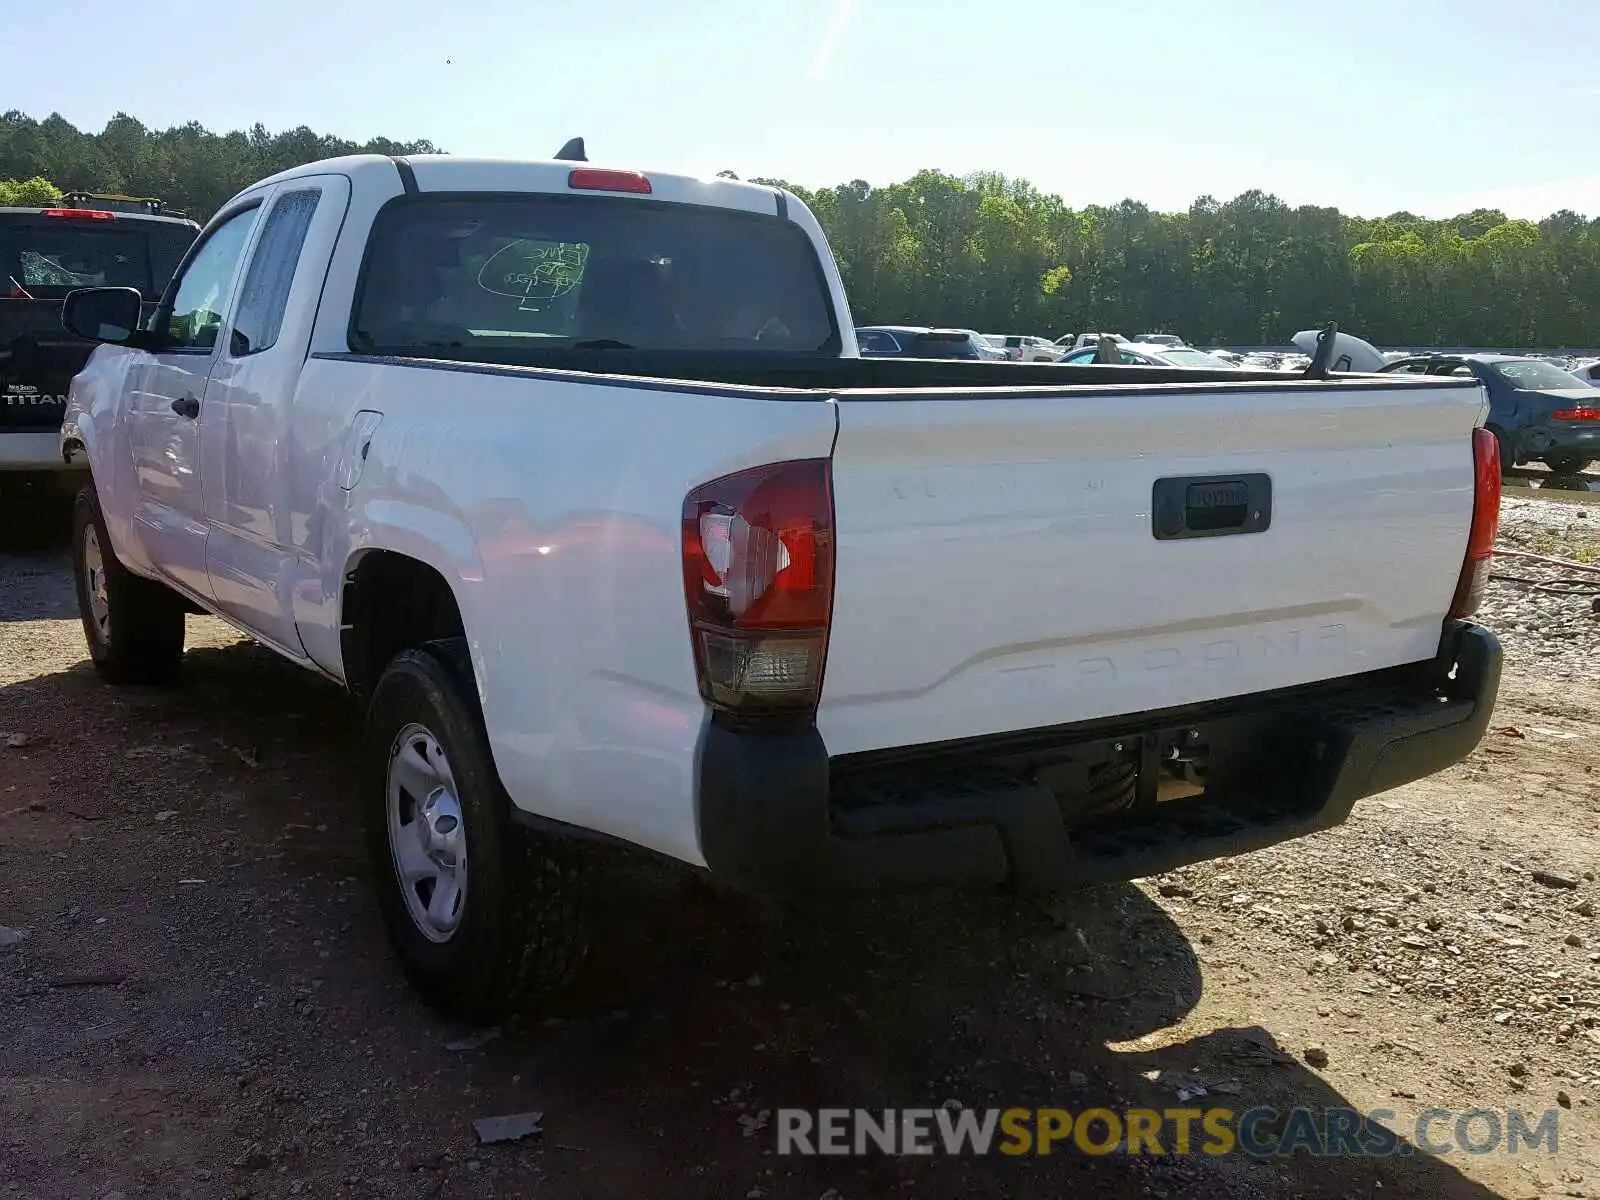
[
  {"x": 994, "y": 253},
  {"x": 188, "y": 166},
  {"x": 28, "y": 193}
]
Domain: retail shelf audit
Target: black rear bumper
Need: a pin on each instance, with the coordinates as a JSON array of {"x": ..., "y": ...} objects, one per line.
[
  {"x": 1556, "y": 438},
  {"x": 777, "y": 816}
]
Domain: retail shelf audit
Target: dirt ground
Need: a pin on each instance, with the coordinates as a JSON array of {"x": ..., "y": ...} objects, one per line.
[{"x": 203, "y": 1003}]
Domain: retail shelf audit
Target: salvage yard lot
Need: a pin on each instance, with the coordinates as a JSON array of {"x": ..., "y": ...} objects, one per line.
[{"x": 203, "y": 1004}]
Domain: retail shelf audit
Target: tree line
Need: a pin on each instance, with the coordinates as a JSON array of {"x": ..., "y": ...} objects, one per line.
[{"x": 993, "y": 253}]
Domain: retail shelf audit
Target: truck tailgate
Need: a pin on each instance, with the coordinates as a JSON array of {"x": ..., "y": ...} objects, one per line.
[
  {"x": 998, "y": 566},
  {"x": 37, "y": 362}
]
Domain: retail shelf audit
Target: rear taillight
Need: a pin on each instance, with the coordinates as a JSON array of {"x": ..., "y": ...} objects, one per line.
[
  {"x": 1485, "y": 524},
  {"x": 758, "y": 578},
  {"x": 598, "y": 179},
  {"x": 80, "y": 214},
  {"x": 1582, "y": 413}
]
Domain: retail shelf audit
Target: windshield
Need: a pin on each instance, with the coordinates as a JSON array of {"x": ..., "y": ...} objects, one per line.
[
  {"x": 1533, "y": 375},
  {"x": 588, "y": 272}
]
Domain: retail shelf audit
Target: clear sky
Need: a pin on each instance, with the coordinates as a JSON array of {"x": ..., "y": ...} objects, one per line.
[{"x": 1434, "y": 106}]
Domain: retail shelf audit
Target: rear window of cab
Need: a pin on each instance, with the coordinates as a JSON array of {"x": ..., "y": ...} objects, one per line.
[{"x": 587, "y": 272}]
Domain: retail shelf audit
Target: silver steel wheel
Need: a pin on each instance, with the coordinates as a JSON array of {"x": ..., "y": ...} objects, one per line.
[
  {"x": 94, "y": 571},
  {"x": 427, "y": 835}
]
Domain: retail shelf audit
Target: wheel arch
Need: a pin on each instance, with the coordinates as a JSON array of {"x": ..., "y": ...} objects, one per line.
[{"x": 390, "y": 601}]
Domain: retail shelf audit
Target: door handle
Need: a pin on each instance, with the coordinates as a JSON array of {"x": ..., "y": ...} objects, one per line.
[
  {"x": 1196, "y": 506},
  {"x": 186, "y": 406}
]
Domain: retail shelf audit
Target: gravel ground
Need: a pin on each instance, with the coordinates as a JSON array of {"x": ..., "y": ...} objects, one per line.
[
  {"x": 202, "y": 1003},
  {"x": 1544, "y": 630}
]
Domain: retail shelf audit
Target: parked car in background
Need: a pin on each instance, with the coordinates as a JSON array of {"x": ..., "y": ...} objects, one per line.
[
  {"x": 985, "y": 348},
  {"x": 915, "y": 341},
  {"x": 1091, "y": 340},
  {"x": 1148, "y": 355},
  {"x": 1160, "y": 339},
  {"x": 114, "y": 241},
  {"x": 1589, "y": 372},
  {"x": 1349, "y": 353},
  {"x": 1537, "y": 411},
  {"x": 1019, "y": 347}
]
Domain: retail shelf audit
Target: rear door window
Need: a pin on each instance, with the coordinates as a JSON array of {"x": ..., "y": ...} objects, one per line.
[
  {"x": 264, "y": 296},
  {"x": 516, "y": 272}
]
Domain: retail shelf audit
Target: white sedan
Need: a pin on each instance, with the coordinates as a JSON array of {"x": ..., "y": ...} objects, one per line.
[
  {"x": 1149, "y": 354},
  {"x": 1589, "y": 372}
]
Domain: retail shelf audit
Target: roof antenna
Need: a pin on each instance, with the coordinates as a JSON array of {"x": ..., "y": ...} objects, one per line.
[
  {"x": 1318, "y": 369},
  {"x": 572, "y": 152}
]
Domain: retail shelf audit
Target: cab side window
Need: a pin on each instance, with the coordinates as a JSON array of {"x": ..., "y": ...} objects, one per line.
[
  {"x": 264, "y": 295},
  {"x": 203, "y": 288}
]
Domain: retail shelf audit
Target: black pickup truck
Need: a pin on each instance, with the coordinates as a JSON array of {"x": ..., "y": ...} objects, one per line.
[{"x": 84, "y": 240}]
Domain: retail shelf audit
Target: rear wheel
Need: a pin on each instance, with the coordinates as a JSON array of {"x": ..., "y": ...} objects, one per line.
[
  {"x": 485, "y": 916},
  {"x": 134, "y": 626}
]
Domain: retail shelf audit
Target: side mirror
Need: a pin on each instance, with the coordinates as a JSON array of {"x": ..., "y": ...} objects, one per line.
[{"x": 103, "y": 314}]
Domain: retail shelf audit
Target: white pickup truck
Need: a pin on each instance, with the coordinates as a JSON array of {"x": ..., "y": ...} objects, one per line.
[{"x": 575, "y": 478}]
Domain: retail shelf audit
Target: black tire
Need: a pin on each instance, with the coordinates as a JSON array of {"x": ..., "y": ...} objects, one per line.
[
  {"x": 523, "y": 928},
  {"x": 141, "y": 639}
]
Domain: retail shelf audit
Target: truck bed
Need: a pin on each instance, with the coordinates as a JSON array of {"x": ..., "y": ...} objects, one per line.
[{"x": 999, "y": 565}]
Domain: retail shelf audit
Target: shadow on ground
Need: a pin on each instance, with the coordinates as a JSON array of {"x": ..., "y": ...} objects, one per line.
[
  {"x": 205, "y": 1002},
  {"x": 35, "y": 533},
  {"x": 35, "y": 516}
]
